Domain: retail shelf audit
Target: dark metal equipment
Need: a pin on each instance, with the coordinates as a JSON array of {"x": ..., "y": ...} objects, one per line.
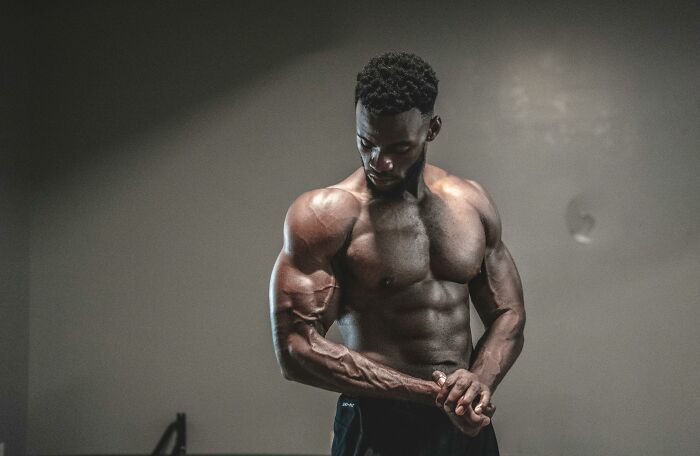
[{"x": 177, "y": 427}]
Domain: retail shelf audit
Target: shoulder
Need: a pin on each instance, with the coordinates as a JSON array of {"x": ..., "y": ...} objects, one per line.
[
  {"x": 320, "y": 220},
  {"x": 461, "y": 190},
  {"x": 467, "y": 191}
]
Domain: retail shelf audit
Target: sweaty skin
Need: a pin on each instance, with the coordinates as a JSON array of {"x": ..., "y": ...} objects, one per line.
[{"x": 394, "y": 254}]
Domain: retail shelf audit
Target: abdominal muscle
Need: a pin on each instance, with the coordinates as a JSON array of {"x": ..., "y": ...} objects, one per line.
[{"x": 415, "y": 330}]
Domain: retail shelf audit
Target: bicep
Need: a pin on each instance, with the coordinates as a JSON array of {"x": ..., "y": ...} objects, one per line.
[
  {"x": 302, "y": 295},
  {"x": 497, "y": 288},
  {"x": 304, "y": 292},
  {"x": 302, "y": 308}
]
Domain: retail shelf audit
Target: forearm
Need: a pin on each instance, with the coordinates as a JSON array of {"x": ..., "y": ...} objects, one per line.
[
  {"x": 498, "y": 349},
  {"x": 319, "y": 362}
]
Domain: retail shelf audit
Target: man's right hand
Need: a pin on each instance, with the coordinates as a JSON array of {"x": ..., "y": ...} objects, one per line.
[{"x": 470, "y": 423}]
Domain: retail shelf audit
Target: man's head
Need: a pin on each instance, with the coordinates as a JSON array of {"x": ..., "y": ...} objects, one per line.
[{"x": 394, "y": 99}]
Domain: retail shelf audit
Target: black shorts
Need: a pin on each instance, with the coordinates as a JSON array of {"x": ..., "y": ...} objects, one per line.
[{"x": 382, "y": 427}]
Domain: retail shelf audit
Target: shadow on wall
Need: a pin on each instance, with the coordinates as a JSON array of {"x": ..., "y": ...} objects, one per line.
[{"x": 146, "y": 64}]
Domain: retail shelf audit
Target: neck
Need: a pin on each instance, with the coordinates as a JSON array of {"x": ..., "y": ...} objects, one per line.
[{"x": 414, "y": 184}]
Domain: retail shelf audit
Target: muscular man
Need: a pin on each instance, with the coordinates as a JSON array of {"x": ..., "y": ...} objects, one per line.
[{"x": 393, "y": 253}]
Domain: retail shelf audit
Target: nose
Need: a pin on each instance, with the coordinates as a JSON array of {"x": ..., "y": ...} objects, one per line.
[{"x": 379, "y": 162}]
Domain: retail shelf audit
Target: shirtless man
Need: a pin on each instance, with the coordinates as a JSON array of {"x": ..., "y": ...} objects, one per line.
[{"x": 393, "y": 253}]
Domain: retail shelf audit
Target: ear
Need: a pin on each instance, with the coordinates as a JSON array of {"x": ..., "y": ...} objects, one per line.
[{"x": 434, "y": 128}]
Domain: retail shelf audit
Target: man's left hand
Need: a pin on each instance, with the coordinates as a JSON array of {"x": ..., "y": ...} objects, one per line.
[{"x": 460, "y": 389}]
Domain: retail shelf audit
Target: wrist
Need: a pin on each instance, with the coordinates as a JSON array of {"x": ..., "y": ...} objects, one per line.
[{"x": 489, "y": 380}]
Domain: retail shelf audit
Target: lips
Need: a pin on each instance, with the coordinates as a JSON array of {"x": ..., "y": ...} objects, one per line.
[{"x": 384, "y": 178}]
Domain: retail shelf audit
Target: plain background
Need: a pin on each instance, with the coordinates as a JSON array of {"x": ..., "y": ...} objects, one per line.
[{"x": 150, "y": 151}]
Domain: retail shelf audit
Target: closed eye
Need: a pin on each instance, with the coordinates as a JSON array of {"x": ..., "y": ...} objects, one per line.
[{"x": 365, "y": 145}]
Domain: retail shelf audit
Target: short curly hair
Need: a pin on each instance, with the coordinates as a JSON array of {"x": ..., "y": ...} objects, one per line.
[{"x": 396, "y": 82}]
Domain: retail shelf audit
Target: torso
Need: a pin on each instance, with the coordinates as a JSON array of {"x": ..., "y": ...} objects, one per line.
[{"x": 404, "y": 276}]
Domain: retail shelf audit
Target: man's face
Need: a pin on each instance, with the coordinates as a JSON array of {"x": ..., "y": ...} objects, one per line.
[{"x": 390, "y": 144}]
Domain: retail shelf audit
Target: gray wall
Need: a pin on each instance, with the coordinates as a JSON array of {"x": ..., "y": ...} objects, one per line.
[
  {"x": 14, "y": 307},
  {"x": 14, "y": 230},
  {"x": 173, "y": 139},
  {"x": 14, "y": 312}
]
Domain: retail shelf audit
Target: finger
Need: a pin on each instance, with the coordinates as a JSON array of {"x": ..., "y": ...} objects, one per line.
[
  {"x": 462, "y": 403},
  {"x": 469, "y": 395},
  {"x": 485, "y": 400},
  {"x": 447, "y": 385},
  {"x": 469, "y": 428},
  {"x": 457, "y": 391},
  {"x": 489, "y": 410},
  {"x": 451, "y": 379},
  {"x": 439, "y": 377},
  {"x": 471, "y": 416},
  {"x": 442, "y": 396},
  {"x": 475, "y": 419},
  {"x": 485, "y": 421}
]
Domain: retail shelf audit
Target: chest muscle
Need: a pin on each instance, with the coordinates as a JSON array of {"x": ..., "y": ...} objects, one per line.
[{"x": 394, "y": 246}]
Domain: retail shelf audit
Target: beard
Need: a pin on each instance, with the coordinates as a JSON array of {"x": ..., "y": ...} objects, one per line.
[{"x": 408, "y": 183}]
